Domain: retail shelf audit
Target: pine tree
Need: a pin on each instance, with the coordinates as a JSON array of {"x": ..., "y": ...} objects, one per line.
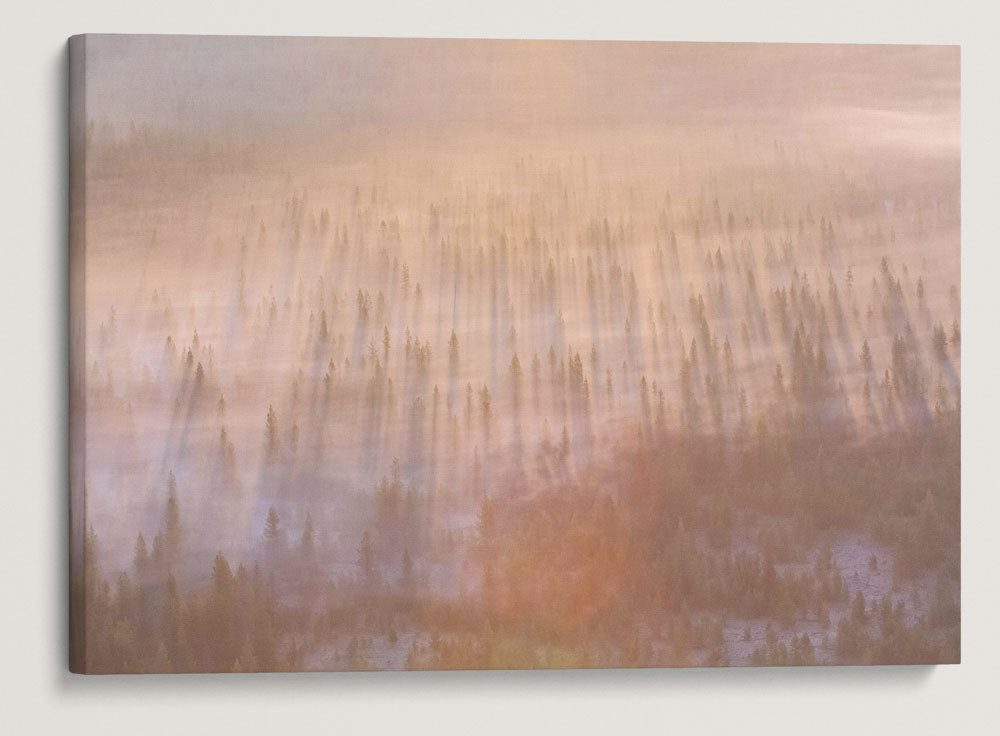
[
  {"x": 222, "y": 576},
  {"x": 484, "y": 408},
  {"x": 307, "y": 545},
  {"x": 140, "y": 558},
  {"x": 366, "y": 559},
  {"x": 779, "y": 382},
  {"x": 170, "y": 625},
  {"x": 271, "y": 426},
  {"x": 223, "y": 643},
  {"x": 453, "y": 353},
  {"x": 866, "y": 356},
  {"x": 173, "y": 529},
  {"x": 940, "y": 341},
  {"x": 515, "y": 378},
  {"x": 272, "y": 529}
]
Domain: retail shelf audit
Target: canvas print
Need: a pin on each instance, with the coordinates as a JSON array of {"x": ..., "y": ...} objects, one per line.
[{"x": 472, "y": 354}]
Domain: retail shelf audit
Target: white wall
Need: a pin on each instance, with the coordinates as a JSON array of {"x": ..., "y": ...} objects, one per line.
[{"x": 36, "y": 693}]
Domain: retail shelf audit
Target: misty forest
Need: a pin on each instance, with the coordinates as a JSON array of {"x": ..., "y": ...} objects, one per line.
[{"x": 438, "y": 355}]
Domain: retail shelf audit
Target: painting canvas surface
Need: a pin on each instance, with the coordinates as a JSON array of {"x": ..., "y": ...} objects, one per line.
[{"x": 474, "y": 354}]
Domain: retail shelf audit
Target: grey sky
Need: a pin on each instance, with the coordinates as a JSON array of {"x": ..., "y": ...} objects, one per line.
[{"x": 284, "y": 85}]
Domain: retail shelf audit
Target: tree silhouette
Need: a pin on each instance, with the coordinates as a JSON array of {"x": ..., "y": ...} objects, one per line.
[
  {"x": 273, "y": 535},
  {"x": 140, "y": 558},
  {"x": 866, "y": 356},
  {"x": 307, "y": 544},
  {"x": 173, "y": 529},
  {"x": 366, "y": 559},
  {"x": 271, "y": 429}
]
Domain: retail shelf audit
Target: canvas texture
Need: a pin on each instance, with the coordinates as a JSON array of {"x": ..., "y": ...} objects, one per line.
[{"x": 474, "y": 354}]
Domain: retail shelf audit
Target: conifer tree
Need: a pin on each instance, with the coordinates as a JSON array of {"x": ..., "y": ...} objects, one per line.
[
  {"x": 271, "y": 427},
  {"x": 307, "y": 544},
  {"x": 366, "y": 559},
  {"x": 173, "y": 529},
  {"x": 140, "y": 559},
  {"x": 273, "y": 535}
]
